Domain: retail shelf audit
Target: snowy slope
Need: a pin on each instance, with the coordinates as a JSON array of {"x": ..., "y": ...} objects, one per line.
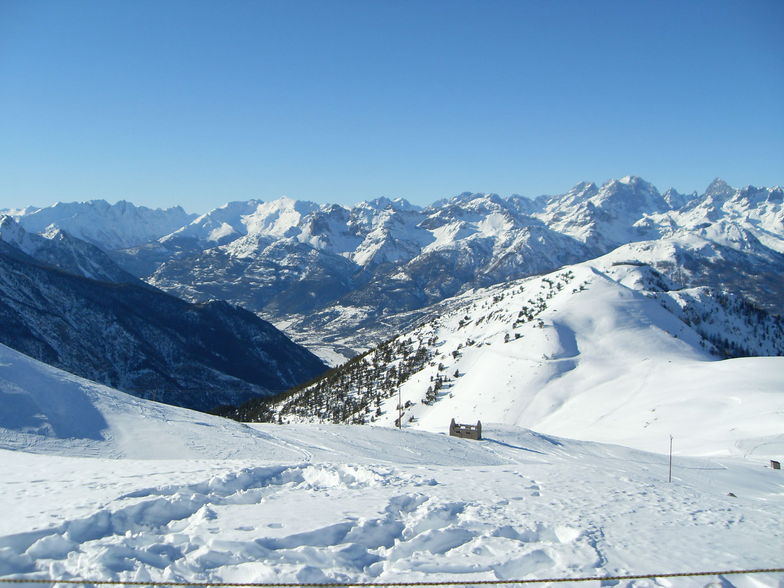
[
  {"x": 552, "y": 508},
  {"x": 330, "y": 503},
  {"x": 47, "y": 410},
  {"x": 597, "y": 351}
]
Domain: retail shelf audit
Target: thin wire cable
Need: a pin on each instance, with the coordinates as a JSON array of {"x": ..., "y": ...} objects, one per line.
[{"x": 389, "y": 584}]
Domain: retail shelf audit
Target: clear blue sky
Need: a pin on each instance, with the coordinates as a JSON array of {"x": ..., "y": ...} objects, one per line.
[{"x": 200, "y": 102}]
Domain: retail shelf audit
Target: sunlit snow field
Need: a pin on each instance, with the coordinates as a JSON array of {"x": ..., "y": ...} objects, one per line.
[
  {"x": 373, "y": 504},
  {"x": 148, "y": 492}
]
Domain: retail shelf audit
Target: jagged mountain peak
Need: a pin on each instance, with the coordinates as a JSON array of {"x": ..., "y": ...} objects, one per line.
[
  {"x": 120, "y": 207},
  {"x": 57, "y": 248},
  {"x": 582, "y": 190},
  {"x": 236, "y": 205},
  {"x": 633, "y": 180},
  {"x": 285, "y": 203},
  {"x": 12, "y": 233},
  {"x": 216, "y": 227},
  {"x": 719, "y": 188},
  {"x": 384, "y": 203},
  {"x": 478, "y": 199},
  {"x": 280, "y": 217},
  {"x": 604, "y": 217},
  {"x": 630, "y": 186},
  {"x": 754, "y": 196},
  {"x": 468, "y": 199},
  {"x": 524, "y": 205},
  {"x": 10, "y": 229},
  {"x": 234, "y": 222},
  {"x": 677, "y": 200},
  {"x": 468, "y": 205}
]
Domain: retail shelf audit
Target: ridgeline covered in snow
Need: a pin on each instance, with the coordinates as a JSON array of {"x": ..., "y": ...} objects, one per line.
[{"x": 604, "y": 350}]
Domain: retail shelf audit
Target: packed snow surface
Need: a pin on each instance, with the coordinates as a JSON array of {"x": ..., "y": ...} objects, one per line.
[{"x": 100, "y": 485}]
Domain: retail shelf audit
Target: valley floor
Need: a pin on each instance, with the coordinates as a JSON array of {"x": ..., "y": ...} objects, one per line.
[{"x": 325, "y": 503}]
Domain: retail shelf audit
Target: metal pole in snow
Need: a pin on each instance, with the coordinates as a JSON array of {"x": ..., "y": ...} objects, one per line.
[
  {"x": 399, "y": 410},
  {"x": 669, "y": 477}
]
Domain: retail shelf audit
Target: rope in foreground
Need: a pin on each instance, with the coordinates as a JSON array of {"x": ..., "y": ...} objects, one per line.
[{"x": 384, "y": 584}]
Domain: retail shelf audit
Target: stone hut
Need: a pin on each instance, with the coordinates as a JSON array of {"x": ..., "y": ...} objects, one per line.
[{"x": 466, "y": 431}]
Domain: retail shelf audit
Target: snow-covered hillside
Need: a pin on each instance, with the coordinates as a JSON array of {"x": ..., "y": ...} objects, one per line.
[
  {"x": 176, "y": 496},
  {"x": 47, "y": 410},
  {"x": 600, "y": 351}
]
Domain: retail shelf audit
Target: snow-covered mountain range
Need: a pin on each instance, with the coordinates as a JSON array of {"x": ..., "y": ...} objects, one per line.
[
  {"x": 339, "y": 279},
  {"x": 605, "y": 350},
  {"x": 110, "y": 226}
]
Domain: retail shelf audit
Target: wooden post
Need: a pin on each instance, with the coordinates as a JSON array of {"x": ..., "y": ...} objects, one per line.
[{"x": 669, "y": 477}]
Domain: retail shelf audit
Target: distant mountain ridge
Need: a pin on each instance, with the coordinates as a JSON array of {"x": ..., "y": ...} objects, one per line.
[
  {"x": 334, "y": 276},
  {"x": 59, "y": 249},
  {"x": 132, "y": 336},
  {"x": 110, "y": 226}
]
